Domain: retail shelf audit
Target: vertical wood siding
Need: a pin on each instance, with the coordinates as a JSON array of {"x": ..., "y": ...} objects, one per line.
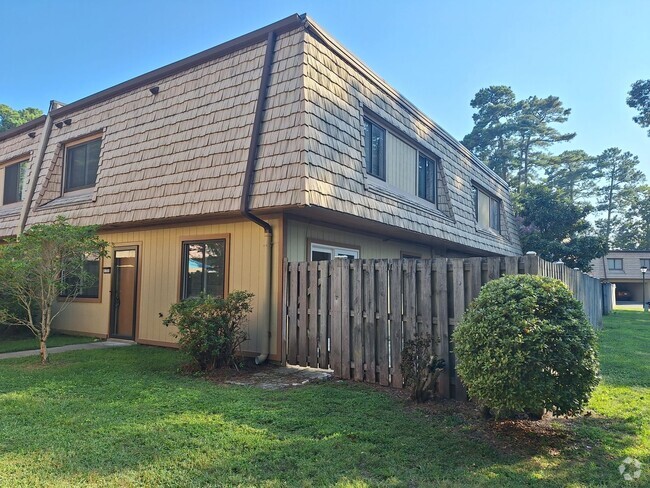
[{"x": 160, "y": 261}]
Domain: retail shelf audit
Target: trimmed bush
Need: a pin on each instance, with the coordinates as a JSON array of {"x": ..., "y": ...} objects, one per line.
[
  {"x": 420, "y": 367},
  {"x": 210, "y": 330},
  {"x": 525, "y": 346}
]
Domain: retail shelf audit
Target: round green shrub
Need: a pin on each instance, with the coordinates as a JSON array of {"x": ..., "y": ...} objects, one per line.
[{"x": 525, "y": 346}]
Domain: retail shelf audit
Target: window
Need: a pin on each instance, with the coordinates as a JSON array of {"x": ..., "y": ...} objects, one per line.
[
  {"x": 615, "y": 264},
  {"x": 322, "y": 252},
  {"x": 204, "y": 268},
  {"x": 81, "y": 162},
  {"x": 14, "y": 182},
  {"x": 427, "y": 179},
  {"x": 645, "y": 263},
  {"x": 86, "y": 286},
  {"x": 487, "y": 209},
  {"x": 375, "y": 144}
]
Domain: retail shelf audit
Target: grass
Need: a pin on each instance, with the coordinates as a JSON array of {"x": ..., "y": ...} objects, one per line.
[
  {"x": 124, "y": 417},
  {"x": 25, "y": 342}
]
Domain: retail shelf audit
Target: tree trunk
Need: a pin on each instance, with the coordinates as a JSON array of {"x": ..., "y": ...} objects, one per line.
[{"x": 44, "y": 355}]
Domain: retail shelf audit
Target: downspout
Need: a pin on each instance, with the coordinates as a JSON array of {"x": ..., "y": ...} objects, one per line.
[
  {"x": 36, "y": 170},
  {"x": 248, "y": 181}
]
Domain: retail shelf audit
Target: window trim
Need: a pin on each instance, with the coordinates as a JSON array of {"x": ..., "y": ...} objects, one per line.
[
  {"x": 615, "y": 260},
  {"x": 71, "y": 145},
  {"x": 492, "y": 198},
  {"x": 186, "y": 239},
  {"x": 331, "y": 245}
]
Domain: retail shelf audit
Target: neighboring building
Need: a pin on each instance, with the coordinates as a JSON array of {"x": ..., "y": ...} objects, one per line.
[
  {"x": 339, "y": 163},
  {"x": 623, "y": 268}
]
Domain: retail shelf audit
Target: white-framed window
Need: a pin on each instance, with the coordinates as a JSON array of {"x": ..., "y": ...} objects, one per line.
[
  {"x": 487, "y": 209},
  {"x": 644, "y": 263},
  {"x": 427, "y": 181},
  {"x": 324, "y": 252},
  {"x": 615, "y": 264}
]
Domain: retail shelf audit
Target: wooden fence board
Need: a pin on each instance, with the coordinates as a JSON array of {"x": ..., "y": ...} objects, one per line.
[
  {"x": 356, "y": 278},
  {"x": 442, "y": 328},
  {"x": 395, "y": 295},
  {"x": 312, "y": 326},
  {"x": 369, "y": 322},
  {"x": 323, "y": 315},
  {"x": 458, "y": 270},
  {"x": 302, "y": 314},
  {"x": 382, "y": 322},
  {"x": 409, "y": 325},
  {"x": 345, "y": 318},
  {"x": 292, "y": 321},
  {"x": 512, "y": 265},
  {"x": 335, "y": 317}
]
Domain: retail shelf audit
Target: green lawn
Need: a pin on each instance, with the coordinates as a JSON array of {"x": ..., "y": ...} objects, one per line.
[
  {"x": 124, "y": 417},
  {"x": 25, "y": 342}
]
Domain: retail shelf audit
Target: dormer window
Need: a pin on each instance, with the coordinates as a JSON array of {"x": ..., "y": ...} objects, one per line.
[
  {"x": 81, "y": 163},
  {"x": 14, "y": 182},
  {"x": 427, "y": 178},
  {"x": 375, "y": 145},
  {"x": 487, "y": 209}
]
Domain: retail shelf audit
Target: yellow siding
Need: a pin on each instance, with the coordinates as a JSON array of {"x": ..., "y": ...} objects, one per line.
[
  {"x": 160, "y": 265},
  {"x": 298, "y": 233},
  {"x": 401, "y": 161}
]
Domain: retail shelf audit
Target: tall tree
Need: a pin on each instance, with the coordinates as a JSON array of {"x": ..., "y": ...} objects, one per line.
[
  {"x": 639, "y": 98},
  {"x": 512, "y": 136},
  {"x": 620, "y": 177},
  {"x": 556, "y": 228},
  {"x": 10, "y": 118},
  {"x": 573, "y": 172},
  {"x": 635, "y": 232},
  {"x": 491, "y": 138},
  {"x": 534, "y": 118}
]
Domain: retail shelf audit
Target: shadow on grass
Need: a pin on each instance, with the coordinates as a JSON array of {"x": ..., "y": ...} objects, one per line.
[{"x": 124, "y": 416}]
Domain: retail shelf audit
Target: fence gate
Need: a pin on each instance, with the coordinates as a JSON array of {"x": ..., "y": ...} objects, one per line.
[{"x": 354, "y": 316}]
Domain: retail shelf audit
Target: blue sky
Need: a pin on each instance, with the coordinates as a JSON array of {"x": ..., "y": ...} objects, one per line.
[{"x": 438, "y": 54}]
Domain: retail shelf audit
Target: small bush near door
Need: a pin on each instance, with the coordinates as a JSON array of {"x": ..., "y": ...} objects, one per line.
[
  {"x": 210, "y": 330},
  {"x": 526, "y": 346}
]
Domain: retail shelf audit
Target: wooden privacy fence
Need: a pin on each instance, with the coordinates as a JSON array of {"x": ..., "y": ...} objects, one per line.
[{"x": 354, "y": 316}]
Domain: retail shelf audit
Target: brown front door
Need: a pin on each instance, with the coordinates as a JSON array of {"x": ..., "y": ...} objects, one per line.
[{"x": 124, "y": 292}]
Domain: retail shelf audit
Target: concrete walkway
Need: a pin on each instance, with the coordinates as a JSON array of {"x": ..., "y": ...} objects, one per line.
[{"x": 70, "y": 347}]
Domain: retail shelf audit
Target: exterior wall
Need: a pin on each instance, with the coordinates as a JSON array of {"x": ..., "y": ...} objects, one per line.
[
  {"x": 183, "y": 151},
  {"x": 631, "y": 266},
  {"x": 339, "y": 91},
  {"x": 299, "y": 234},
  {"x": 160, "y": 275}
]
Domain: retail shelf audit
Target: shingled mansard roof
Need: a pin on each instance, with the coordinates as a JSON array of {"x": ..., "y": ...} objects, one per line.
[{"x": 181, "y": 153}]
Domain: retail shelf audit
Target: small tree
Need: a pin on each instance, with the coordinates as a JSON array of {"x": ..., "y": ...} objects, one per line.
[{"x": 43, "y": 264}]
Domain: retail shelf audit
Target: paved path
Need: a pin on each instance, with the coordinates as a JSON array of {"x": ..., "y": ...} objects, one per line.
[{"x": 70, "y": 347}]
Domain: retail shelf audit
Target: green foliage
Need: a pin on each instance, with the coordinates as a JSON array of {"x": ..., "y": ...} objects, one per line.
[
  {"x": 511, "y": 135},
  {"x": 525, "y": 345},
  {"x": 635, "y": 233},
  {"x": 420, "y": 367},
  {"x": 10, "y": 118},
  {"x": 556, "y": 228},
  {"x": 210, "y": 330},
  {"x": 31, "y": 270},
  {"x": 572, "y": 172},
  {"x": 639, "y": 98},
  {"x": 621, "y": 177}
]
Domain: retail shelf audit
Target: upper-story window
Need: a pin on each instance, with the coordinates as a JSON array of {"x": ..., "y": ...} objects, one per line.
[
  {"x": 427, "y": 178},
  {"x": 375, "y": 142},
  {"x": 615, "y": 264},
  {"x": 81, "y": 163},
  {"x": 487, "y": 209},
  {"x": 645, "y": 263},
  {"x": 14, "y": 182}
]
